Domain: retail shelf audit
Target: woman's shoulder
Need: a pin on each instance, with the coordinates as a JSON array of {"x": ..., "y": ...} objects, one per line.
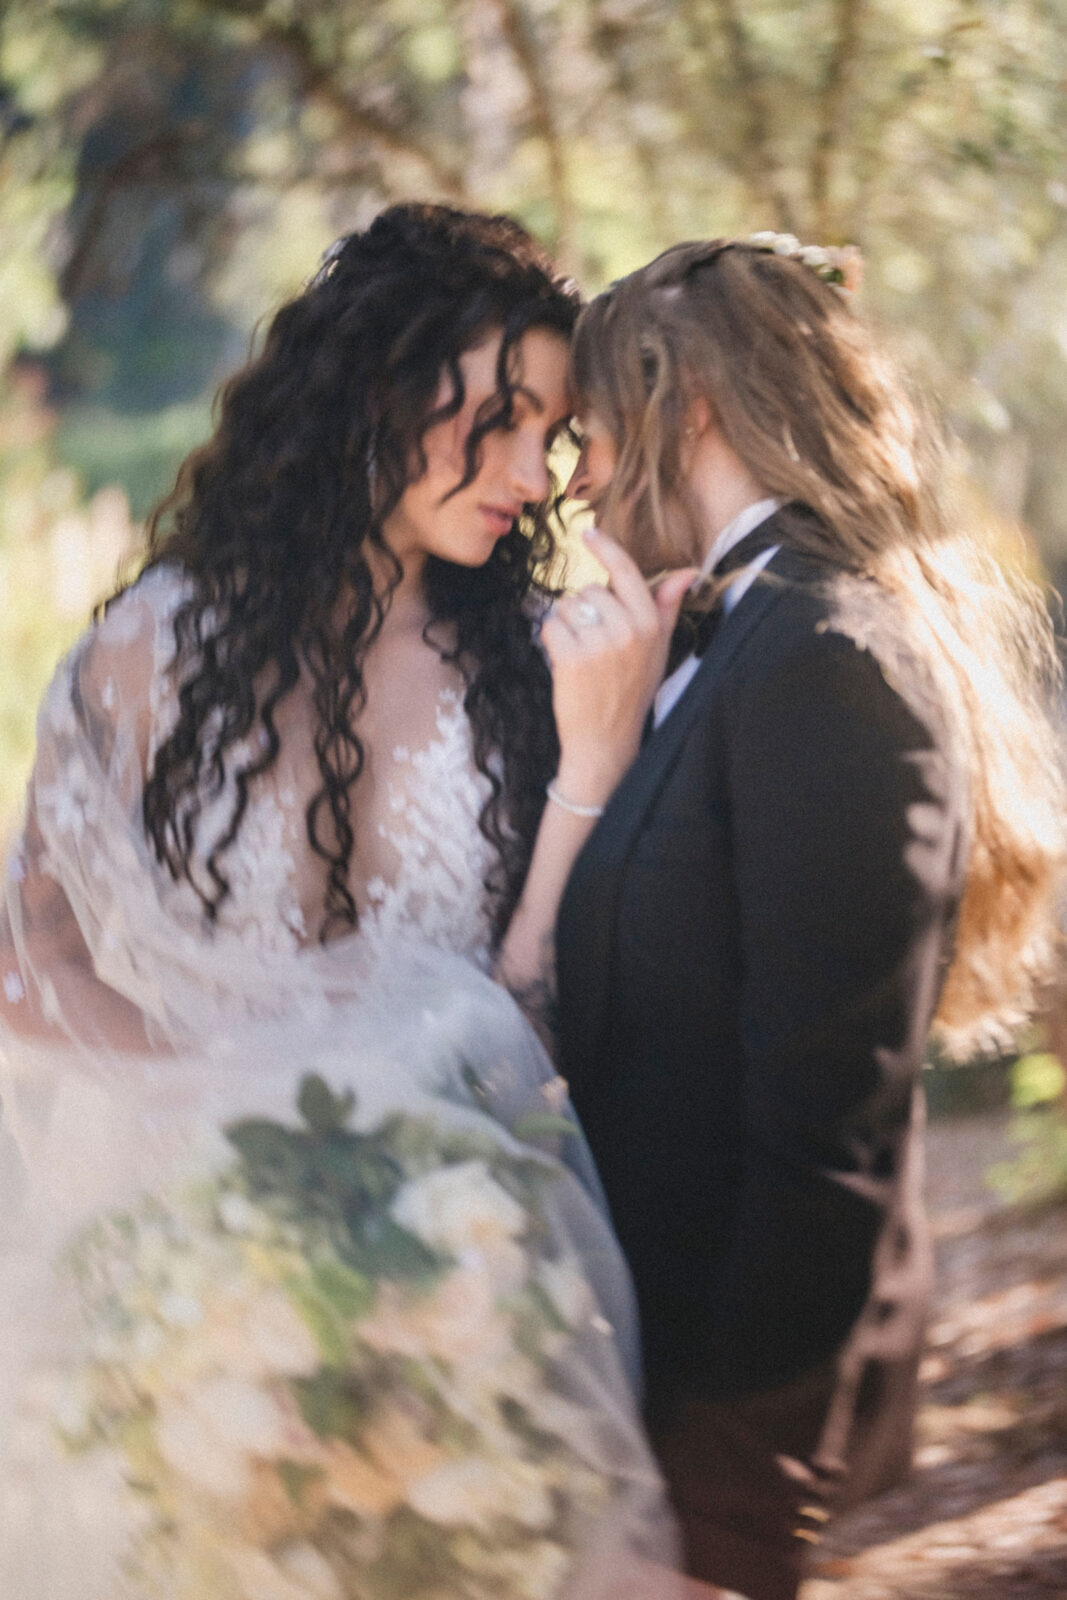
[
  {"x": 816, "y": 604},
  {"x": 845, "y": 637},
  {"x": 114, "y": 670},
  {"x": 150, "y": 602},
  {"x": 132, "y": 637}
]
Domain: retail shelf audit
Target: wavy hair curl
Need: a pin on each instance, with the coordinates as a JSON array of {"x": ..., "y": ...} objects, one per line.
[{"x": 316, "y": 440}]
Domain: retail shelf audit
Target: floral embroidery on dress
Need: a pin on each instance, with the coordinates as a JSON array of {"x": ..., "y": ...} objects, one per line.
[
  {"x": 438, "y": 891},
  {"x": 261, "y": 870},
  {"x": 263, "y": 908},
  {"x": 163, "y": 693},
  {"x": 433, "y": 890},
  {"x": 67, "y": 804}
]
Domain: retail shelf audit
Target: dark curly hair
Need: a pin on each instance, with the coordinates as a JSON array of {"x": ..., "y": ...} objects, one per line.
[{"x": 312, "y": 452}]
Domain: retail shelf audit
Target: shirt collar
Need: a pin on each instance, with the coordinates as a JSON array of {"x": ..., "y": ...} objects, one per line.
[{"x": 739, "y": 528}]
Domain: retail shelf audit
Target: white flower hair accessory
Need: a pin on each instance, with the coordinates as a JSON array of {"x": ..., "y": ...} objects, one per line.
[{"x": 841, "y": 268}]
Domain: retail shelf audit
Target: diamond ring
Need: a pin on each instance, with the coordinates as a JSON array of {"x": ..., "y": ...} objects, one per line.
[{"x": 584, "y": 614}]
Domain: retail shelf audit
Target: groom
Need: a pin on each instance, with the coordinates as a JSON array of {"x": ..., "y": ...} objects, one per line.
[
  {"x": 750, "y": 949},
  {"x": 748, "y": 954}
]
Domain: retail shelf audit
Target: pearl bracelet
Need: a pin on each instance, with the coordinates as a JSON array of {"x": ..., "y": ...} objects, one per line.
[{"x": 557, "y": 799}]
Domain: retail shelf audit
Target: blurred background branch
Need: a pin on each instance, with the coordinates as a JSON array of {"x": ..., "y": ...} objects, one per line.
[{"x": 171, "y": 169}]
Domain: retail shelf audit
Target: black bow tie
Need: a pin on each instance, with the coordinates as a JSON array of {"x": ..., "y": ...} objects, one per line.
[{"x": 697, "y": 624}]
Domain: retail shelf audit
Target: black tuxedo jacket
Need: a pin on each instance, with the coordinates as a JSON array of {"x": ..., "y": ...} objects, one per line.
[{"x": 750, "y": 951}]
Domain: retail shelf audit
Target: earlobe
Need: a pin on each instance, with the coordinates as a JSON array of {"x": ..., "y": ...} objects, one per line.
[{"x": 698, "y": 419}]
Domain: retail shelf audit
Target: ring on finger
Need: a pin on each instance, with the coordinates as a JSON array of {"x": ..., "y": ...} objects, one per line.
[{"x": 584, "y": 614}]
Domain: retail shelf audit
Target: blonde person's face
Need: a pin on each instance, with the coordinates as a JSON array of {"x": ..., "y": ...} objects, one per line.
[
  {"x": 597, "y": 458},
  {"x": 513, "y": 471}
]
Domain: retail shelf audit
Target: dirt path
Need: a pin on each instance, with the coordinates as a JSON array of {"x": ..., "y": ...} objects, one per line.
[{"x": 984, "y": 1516}]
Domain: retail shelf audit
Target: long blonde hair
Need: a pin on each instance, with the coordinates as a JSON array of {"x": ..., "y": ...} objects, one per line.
[{"x": 818, "y": 414}]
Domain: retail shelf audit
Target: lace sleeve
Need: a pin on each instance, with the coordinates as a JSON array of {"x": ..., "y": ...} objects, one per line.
[{"x": 82, "y": 828}]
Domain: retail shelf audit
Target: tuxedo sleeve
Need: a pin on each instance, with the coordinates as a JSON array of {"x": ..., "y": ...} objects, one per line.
[{"x": 846, "y": 828}]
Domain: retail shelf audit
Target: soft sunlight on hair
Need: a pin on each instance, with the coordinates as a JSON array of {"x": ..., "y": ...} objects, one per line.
[{"x": 816, "y": 411}]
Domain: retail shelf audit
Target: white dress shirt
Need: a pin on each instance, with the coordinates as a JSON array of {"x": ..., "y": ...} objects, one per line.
[{"x": 672, "y": 688}]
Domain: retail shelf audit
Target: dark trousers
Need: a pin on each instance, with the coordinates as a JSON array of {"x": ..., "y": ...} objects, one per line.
[{"x": 753, "y": 1481}]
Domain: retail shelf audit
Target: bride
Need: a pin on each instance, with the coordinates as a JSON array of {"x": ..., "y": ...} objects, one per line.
[{"x": 306, "y": 1288}]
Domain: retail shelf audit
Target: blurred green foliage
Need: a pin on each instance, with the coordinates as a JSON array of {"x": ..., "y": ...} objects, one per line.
[
  {"x": 139, "y": 452},
  {"x": 1038, "y": 1079},
  {"x": 60, "y": 551},
  {"x": 171, "y": 169},
  {"x": 1038, "y": 1173}
]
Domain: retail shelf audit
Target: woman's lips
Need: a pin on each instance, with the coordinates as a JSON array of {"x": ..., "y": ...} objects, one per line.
[{"x": 499, "y": 518}]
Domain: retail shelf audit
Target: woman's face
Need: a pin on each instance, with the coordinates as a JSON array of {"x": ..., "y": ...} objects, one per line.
[
  {"x": 513, "y": 472},
  {"x": 597, "y": 459}
]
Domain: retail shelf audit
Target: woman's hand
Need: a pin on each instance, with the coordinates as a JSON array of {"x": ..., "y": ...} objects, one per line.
[{"x": 608, "y": 648}]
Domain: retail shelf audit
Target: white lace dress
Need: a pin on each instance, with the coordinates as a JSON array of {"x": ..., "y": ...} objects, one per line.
[{"x": 305, "y": 1289}]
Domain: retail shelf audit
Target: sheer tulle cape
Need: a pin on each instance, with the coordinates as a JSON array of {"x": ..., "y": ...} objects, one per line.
[{"x": 132, "y": 1039}]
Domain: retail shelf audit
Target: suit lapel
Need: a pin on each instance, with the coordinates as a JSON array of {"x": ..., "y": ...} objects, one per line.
[{"x": 587, "y": 920}]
